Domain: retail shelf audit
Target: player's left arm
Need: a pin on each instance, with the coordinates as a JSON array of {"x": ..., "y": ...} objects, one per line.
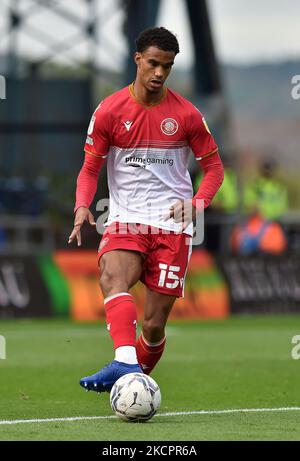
[
  {"x": 213, "y": 177},
  {"x": 206, "y": 153},
  {"x": 96, "y": 151}
]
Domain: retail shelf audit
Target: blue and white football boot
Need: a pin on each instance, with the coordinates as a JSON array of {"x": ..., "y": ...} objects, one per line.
[{"x": 104, "y": 380}]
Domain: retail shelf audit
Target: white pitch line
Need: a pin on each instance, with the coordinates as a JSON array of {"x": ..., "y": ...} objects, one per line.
[
  {"x": 233, "y": 410},
  {"x": 179, "y": 413}
]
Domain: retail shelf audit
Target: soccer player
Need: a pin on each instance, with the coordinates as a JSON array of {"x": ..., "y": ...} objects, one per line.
[{"x": 145, "y": 132}]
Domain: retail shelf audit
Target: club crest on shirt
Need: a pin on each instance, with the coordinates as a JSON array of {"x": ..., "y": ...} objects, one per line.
[{"x": 169, "y": 126}]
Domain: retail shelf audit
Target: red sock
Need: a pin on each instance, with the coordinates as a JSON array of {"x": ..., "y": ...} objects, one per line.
[
  {"x": 121, "y": 319},
  {"x": 149, "y": 354}
]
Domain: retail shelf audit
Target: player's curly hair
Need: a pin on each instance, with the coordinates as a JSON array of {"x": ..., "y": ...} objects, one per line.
[{"x": 157, "y": 36}]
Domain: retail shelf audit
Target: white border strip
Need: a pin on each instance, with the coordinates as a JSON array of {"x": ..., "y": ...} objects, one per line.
[
  {"x": 109, "y": 298},
  {"x": 179, "y": 413}
]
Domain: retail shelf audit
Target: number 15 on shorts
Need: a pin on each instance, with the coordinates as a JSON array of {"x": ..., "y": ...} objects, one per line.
[{"x": 168, "y": 273}]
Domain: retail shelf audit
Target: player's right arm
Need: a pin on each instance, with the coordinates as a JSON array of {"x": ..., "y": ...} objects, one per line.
[
  {"x": 96, "y": 151},
  {"x": 87, "y": 182}
]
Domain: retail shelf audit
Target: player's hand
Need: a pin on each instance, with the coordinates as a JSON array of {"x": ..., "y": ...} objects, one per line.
[
  {"x": 183, "y": 211},
  {"x": 82, "y": 214}
]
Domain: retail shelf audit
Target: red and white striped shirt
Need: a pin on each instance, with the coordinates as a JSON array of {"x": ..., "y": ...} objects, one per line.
[{"x": 147, "y": 150}]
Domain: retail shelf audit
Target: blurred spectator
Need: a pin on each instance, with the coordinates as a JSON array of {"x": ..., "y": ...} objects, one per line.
[
  {"x": 266, "y": 195},
  {"x": 258, "y": 235}
]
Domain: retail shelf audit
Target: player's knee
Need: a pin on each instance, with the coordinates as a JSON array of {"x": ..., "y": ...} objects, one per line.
[{"x": 112, "y": 283}]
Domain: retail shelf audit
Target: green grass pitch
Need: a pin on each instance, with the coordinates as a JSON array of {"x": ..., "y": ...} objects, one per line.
[{"x": 240, "y": 363}]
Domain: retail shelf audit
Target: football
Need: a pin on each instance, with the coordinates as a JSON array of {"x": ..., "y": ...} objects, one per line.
[{"x": 135, "y": 397}]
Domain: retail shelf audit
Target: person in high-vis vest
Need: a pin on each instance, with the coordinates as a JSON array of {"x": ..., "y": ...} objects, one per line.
[{"x": 266, "y": 195}]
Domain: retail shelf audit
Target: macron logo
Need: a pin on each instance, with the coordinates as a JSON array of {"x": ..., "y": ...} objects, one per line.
[
  {"x": 128, "y": 125},
  {"x": 144, "y": 366}
]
